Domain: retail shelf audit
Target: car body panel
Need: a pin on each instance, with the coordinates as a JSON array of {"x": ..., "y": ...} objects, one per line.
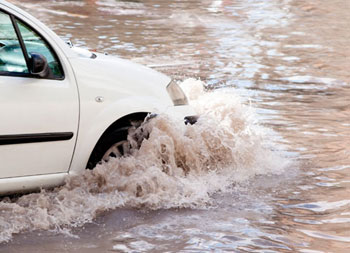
[
  {"x": 30, "y": 183},
  {"x": 36, "y": 107}
]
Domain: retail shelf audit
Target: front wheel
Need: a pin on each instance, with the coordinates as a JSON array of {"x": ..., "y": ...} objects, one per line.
[{"x": 114, "y": 144}]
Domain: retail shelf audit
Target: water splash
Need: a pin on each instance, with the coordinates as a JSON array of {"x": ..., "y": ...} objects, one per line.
[{"x": 177, "y": 166}]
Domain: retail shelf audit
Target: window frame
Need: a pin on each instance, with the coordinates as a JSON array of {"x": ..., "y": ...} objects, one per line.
[{"x": 14, "y": 21}]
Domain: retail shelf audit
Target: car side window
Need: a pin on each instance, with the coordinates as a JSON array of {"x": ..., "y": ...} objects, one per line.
[
  {"x": 12, "y": 58},
  {"x": 35, "y": 44}
]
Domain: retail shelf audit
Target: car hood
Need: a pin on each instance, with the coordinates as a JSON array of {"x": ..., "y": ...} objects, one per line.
[{"x": 99, "y": 73}]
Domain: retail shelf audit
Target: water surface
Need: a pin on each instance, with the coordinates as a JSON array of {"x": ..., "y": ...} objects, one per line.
[{"x": 287, "y": 59}]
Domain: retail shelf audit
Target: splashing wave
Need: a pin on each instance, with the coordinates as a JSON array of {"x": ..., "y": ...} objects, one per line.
[{"x": 176, "y": 166}]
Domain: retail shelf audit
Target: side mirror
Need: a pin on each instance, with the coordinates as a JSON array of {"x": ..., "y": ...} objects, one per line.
[{"x": 38, "y": 65}]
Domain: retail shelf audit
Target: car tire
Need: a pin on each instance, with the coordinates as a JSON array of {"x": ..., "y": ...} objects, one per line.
[
  {"x": 118, "y": 138},
  {"x": 114, "y": 142}
]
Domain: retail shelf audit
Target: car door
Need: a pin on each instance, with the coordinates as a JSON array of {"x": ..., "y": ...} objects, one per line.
[{"x": 38, "y": 116}]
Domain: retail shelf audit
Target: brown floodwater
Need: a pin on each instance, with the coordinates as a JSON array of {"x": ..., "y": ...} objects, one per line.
[{"x": 270, "y": 167}]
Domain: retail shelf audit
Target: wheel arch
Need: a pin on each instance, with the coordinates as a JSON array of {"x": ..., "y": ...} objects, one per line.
[{"x": 123, "y": 122}]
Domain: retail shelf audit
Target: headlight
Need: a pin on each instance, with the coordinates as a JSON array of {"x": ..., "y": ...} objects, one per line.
[{"x": 176, "y": 94}]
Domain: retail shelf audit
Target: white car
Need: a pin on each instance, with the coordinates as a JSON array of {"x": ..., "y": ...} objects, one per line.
[{"x": 63, "y": 109}]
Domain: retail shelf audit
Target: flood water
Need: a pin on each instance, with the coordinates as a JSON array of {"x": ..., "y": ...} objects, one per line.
[{"x": 267, "y": 168}]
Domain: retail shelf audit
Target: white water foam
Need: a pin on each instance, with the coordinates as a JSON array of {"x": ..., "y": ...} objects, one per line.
[{"x": 177, "y": 166}]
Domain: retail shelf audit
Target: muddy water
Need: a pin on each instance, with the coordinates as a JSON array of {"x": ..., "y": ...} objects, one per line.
[{"x": 265, "y": 170}]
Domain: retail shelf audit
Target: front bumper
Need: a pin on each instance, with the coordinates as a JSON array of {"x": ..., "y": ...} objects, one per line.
[{"x": 183, "y": 113}]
